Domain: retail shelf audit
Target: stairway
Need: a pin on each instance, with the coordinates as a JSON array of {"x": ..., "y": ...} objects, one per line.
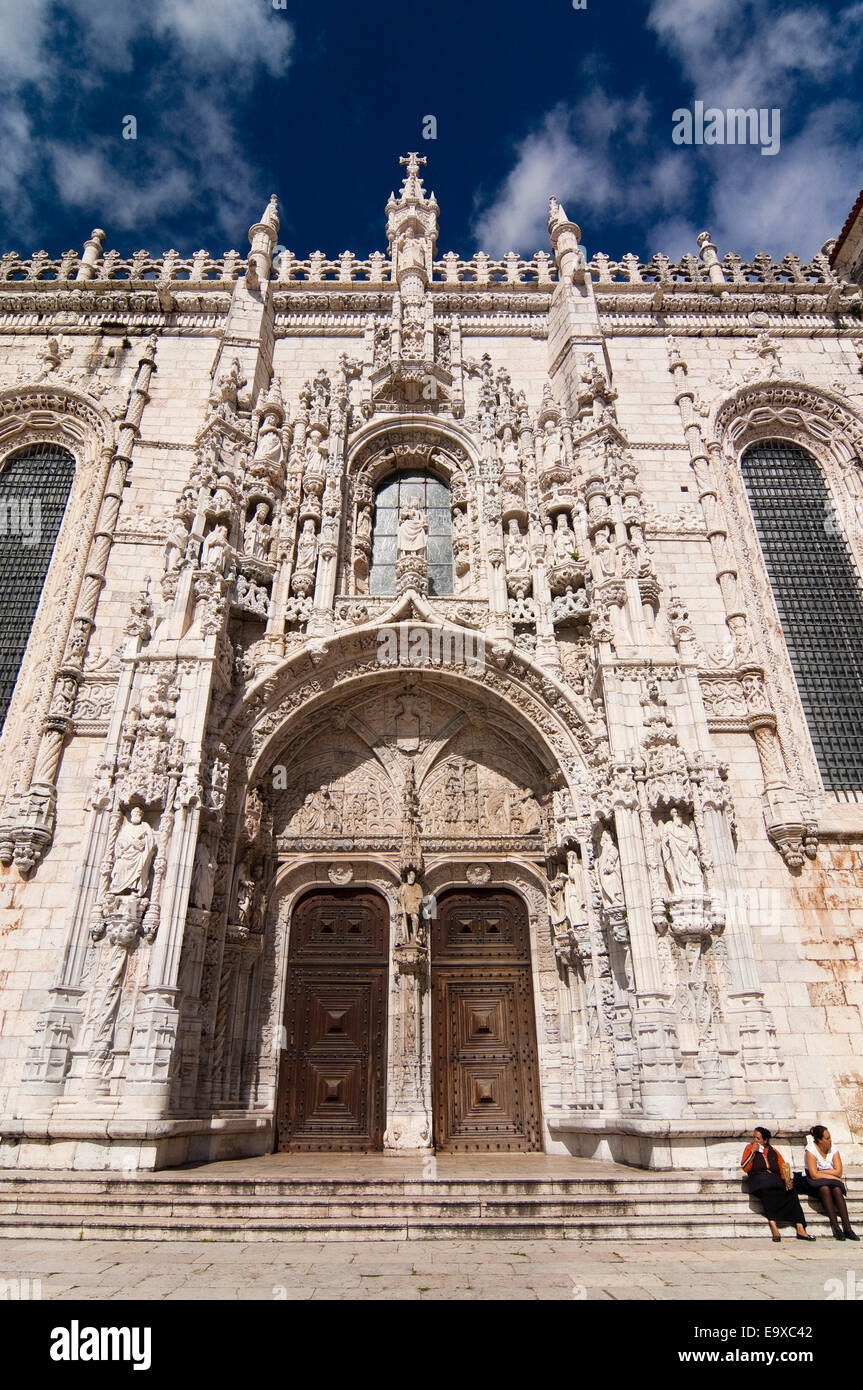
[{"x": 208, "y": 1205}]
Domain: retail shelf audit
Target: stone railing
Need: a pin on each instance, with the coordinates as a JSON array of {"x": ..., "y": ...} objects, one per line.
[
  {"x": 139, "y": 269},
  {"x": 450, "y": 270},
  {"x": 690, "y": 270}
]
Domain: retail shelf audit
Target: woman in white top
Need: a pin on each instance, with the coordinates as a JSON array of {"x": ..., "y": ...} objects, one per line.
[{"x": 824, "y": 1176}]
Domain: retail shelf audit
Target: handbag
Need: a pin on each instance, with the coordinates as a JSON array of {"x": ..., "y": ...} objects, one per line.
[{"x": 799, "y": 1182}]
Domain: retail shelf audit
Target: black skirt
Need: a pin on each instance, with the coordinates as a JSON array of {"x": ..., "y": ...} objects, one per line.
[
  {"x": 813, "y": 1184},
  {"x": 779, "y": 1204}
]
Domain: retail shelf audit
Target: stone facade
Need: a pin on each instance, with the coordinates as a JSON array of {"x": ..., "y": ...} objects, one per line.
[{"x": 221, "y": 707}]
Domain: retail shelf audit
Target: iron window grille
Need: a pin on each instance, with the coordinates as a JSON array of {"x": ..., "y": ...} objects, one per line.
[
  {"x": 34, "y": 489},
  {"x": 819, "y": 600}
]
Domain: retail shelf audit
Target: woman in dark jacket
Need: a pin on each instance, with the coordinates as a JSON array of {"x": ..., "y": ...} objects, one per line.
[{"x": 770, "y": 1178}]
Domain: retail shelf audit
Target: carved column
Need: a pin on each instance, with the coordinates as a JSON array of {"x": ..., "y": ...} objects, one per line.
[{"x": 30, "y": 832}]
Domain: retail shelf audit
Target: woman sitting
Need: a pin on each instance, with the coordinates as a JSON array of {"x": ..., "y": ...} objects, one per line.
[
  {"x": 770, "y": 1178},
  {"x": 824, "y": 1176}
]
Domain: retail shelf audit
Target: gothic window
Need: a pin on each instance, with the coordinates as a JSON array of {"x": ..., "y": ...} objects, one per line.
[
  {"x": 34, "y": 489},
  {"x": 434, "y": 500},
  {"x": 819, "y": 599}
]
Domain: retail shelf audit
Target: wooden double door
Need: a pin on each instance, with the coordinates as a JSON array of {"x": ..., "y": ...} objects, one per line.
[
  {"x": 485, "y": 1081},
  {"x": 331, "y": 1092},
  {"x": 483, "y": 1047}
]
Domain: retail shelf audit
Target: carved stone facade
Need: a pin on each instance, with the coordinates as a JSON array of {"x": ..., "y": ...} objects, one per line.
[{"x": 220, "y": 711}]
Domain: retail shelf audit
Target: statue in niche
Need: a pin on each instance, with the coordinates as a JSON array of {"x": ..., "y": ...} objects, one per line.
[
  {"x": 307, "y": 547},
  {"x": 564, "y": 540},
  {"x": 517, "y": 557},
  {"x": 216, "y": 549},
  {"x": 175, "y": 544},
  {"x": 552, "y": 445},
  {"x": 203, "y": 876},
  {"x": 413, "y": 530},
  {"x": 268, "y": 449},
  {"x": 223, "y": 499},
  {"x": 411, "y": 249},
  {"x": 256, "y": 539},
  {"x": 608, "y": 869},
  {"x": 573, "y": 890},
  {"x": 245, "y": 896},
  {"x": 509, "y": 451},
  {"x": 364, "y": 525},
  {"x": 411, "y": 901},
  {"x": 557, "y": 912},
  {"x": 134, "y": 852},
  {"x": 606, "y": 555},
  {"x": 680, "y": 857}
]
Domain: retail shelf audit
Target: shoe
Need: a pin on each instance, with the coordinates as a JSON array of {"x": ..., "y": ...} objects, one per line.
[
  {"x": 777, "y": 1237},
  {"x": 851, "y": 1235},
  {"x": 800, "y": 1237},
  {"x": 838, "y": 1235}
]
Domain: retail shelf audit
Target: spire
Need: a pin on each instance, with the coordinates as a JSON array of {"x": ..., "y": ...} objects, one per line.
[
  {"x": 412, "y": 225},
  {"x": 263, "y": 237}
]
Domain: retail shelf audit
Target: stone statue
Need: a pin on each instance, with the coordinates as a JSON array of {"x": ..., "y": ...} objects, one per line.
[
  {"x": 573, "y": 889},
  {"x": 552, "y": 445},
  {"x": 215, "y": 549},
  {"x": 557, "y": 905},
  {"x": 256, "y": 540},
  {"x": 509, "y": 451},
  {"x": 564, "y": 540},
  {"x": 411, "y": 900},
  {"x": 608, "y": 868},
  {"x": 175, "y": 544},
  {"x": 134, "y": 852},
  {"x": 605, "y": 554},
  {"x": 203, "y": 877},
  {"x": 411, "y": 251},
  {"x": 680, "y": 857},
  {"x": 364, "y": 524},
  {"x": 307, "y": 547},
  {"x": 413, "y": 530},
  {"x": 517, "y": 557}
]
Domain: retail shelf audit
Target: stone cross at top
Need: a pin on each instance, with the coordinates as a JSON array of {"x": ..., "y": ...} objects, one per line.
[{"x": 413, "y": 160}]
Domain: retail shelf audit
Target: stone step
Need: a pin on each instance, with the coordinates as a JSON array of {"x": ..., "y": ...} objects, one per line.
[
  {"x": 427, "y": 1206},
  {"x": 631, "y": 1227},
  {"x": 648, "y": 1186}
]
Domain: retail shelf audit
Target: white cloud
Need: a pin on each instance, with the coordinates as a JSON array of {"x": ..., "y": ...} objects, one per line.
[
  {"x": 205, "y": 50},
  {"x": 801, "y": 198},
  {"x": 751, "y": 53},
  {"x": 590, "y": 156},
  {"x": 730, "y": 53}
]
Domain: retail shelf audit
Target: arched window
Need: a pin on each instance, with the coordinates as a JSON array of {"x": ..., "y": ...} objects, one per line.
[
  {"x": 434, "y": 499},
  {"x": 819, "y": 599},
  {"x": 34, "y": 489}
]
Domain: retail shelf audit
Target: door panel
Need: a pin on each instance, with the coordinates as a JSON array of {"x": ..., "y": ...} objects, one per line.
[
  {"x": 485, "y": 1084},
  {"x": 332, "y": 1075}
]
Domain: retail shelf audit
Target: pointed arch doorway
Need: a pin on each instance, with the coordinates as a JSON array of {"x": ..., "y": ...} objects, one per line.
[
  {"x": 333, "y": 1067},
  {"x": 485, "y": 1081}
]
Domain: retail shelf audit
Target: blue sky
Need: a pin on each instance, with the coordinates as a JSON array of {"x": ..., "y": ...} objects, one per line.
[{"x": 235, "y": 99}]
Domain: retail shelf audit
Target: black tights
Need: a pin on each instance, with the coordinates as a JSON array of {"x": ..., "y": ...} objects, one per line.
[{"x": 828, "y": 1196}]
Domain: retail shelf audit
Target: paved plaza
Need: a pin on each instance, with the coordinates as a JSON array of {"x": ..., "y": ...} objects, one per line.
[{"x": 446, "y": 1269}]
